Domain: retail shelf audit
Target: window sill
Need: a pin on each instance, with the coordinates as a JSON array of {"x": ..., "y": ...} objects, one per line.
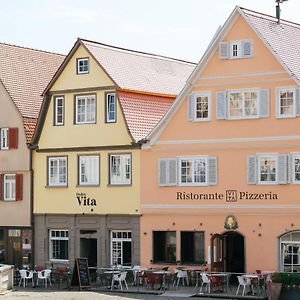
[
  {"x": 201, "y": 120},
  {"x": 88, "y": 185},
  {"x": 119, "y": 185},
  {"x": 56, "y": 186},
  {"x": 286, "y": 116}
]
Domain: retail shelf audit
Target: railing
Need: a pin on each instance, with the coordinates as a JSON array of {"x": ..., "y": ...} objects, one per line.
[{"x": 6, "y": 278}]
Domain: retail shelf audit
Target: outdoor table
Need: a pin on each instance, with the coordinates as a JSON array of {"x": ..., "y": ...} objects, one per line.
[
  {"x": 252, "y": 276},
  {"x": 163, "y": 273},
  {"x": 111, "y": 273},
  {"x": 221, "y": 275}
]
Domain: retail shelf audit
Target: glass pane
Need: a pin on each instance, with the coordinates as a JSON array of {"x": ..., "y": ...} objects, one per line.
[{"x": 236, "y": 104}]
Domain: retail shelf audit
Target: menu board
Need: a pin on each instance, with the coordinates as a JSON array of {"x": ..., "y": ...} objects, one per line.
[{"x": 81, "y": 274}]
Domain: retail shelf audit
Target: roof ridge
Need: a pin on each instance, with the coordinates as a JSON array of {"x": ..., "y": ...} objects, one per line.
[
  {"x": 137, "y": 52},
  {"x": 260, "y": 14},
  {"x": 33, "y": 49}
]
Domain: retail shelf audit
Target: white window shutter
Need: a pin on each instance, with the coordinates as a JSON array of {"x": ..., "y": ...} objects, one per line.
[
  {"x": 172, "y": 171},
  {"x": 162, "y": 172},
  {"x": 247, "y": 48},
  {"x": 224, "y": 50},
  {"x": 221, "y": 104},
  {"x": 212, "y": 170},
  {"x": 264, "y": 103},
  {"x": 252, "y": 169},
  {"x": 282, "y": 168},
  {"x": 191, "y": 107},
  {"x": 297, "y": 98}
]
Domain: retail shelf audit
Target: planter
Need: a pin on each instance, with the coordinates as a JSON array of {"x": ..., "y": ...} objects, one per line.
[
  {"x": 290, "y": 293},
  {"x": 274, "y": 290}
]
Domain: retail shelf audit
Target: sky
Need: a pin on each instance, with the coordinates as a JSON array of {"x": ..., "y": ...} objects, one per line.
[{"x": 176, "y": 28}]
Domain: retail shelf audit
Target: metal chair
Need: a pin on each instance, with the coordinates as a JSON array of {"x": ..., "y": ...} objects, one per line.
[{"x": 25, "y": 276}]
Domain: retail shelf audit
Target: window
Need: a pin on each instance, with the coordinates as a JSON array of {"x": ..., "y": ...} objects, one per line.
[
  {"x": 295, "y": 165},
  {"x": 164, "y": 246},
  {"x": 59, "y": 240},
  {"x": 290, "y": 252},
  {"x": 111, "y": 108},
  {"x": 57, "y": 171},
  {"x": 121, "y": 248},
  {"x": 243, "y": 104},
  {"x": 82, "y": 65},
  {"x": 9, "y": 182},
  {"x": 267, "y": 168},
  {"x": 199, "y": 106},
  {"x": 193, "y": 171},
  {"x": 236, "y": 49},
  {"x": 120, "y": 169},
  {"x": 85, "y": 109},
  {"x": 192, "y": 247},
  {"x": 59, "y": 110},
  {"x": 4, "y": 138},
  {"x": 88, "y": 170},
  {"x": 286, "y": 103}
]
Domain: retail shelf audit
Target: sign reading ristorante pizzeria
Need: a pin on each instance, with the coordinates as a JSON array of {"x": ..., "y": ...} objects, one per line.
[{"x": 228, "y": 195}]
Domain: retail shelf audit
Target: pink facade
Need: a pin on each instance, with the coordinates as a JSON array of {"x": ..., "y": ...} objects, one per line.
[{"x": 228, "y": 150}]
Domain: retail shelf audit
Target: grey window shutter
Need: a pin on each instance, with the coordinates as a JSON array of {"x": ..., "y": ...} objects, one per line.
[
  {"x": 162, "y": 172},
  {"x": 290, "y": 166},
  {"x": 212, "y": 170},
  {"x": 297, "y": 98},
  {"x": 264, "y": 103},
  {"x": 247, "y": 48},
  {"x": 251, "y": 169},
  {"x": 172, "y": 171},
  {"x": 191, "y": 107},
  {"x": 224, "y": 50},
  {"x": 282, "y": 169},
  {"x": 221, "y": 104}
]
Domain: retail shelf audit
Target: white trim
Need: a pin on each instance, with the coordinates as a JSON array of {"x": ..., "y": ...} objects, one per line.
[
  {"x": 56, "y": 113},
  {"x": 12, "y": 187},
  {"x": 239, "y": 44},
  {"x": 4, "y": 139},
  {"x": 88, "y": 65},
  {"x": 278, "y": 90},
  {"x": 108, "y": 120},
  {"x": 202, "y": 94},
  {"x": 57, "y": 239}
]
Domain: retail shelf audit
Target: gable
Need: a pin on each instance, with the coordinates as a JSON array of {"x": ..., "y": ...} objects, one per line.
[{"x": 69, "y": 79}]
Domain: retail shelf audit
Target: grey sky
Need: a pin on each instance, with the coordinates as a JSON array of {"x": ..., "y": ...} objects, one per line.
[{"x": 176, "y": 28}]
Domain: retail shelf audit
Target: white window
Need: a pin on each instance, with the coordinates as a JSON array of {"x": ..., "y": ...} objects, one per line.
[
  {"x": 82, "y": 65},
  {"x": 9, "y": 182},
  {"x": 267, "y": 168},
  {"x": 236, "y": 49},
  {"x": 290, "y": 252},
  {"x": 89, "y": 169},
  {"x": 286, "y": 102},
  {"x": 58, "y": 244},
  {"x": 111, "y": 108},
  {"x": 202, "y": 106},
  {"x": 85, "y": 109},
  {"x": 57, "y": 171},
  {"x": 120, "y": 169},
  {"x": 193, "y": 171},
  {"x": 243, "y": 104},
  {"x": 4, "y": 138},
  {"x": 295, "y": 165},
  {"x": 59, "y": 111},
  {"x": 121, "y": 248}
]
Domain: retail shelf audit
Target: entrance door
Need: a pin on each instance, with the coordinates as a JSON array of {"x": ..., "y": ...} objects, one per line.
[
  {"x": 217, "y": 253},
  {"x": 88, "y": 246},
  {"x": 121, "y": 248}
]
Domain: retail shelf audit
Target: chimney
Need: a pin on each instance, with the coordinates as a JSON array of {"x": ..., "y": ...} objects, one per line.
[{"x": 278, "y": 9}]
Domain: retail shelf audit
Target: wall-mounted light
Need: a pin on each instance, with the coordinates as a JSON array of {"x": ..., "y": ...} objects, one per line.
[
  {"x": 292, "y": 224},
  {"x": 259, "y": 234},
  {"x": 201, "y": 224},
  {"x": 145, "y": 233},
  {"x": 173, "y": 223},
  {"x": 259, "y": 224}
]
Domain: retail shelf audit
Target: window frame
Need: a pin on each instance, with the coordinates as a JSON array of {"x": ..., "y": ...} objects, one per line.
[
  {"x": 78, "y": 60},
  {"x": 193, "y": 158},
  {"x": 243, "y": 91},
  {"x": 111, "y": 183},
  {"x": 278, "y": 102},
  {"x": 56, "y": 123},
  {"x": 107, "y": 119},
  {"x": 119, "y": 240},
  {"x": 76, "y": 98},
  {"x": 293, "y": 173},
  {"x": 4, "y": 134},
  {"x": 12, "y": 183},
  {"x": 79, "y": 170},
  {"x": 266, "y": 155},
  {"x": 49, "y": 159},
  {"x": 202, "y": 94},
  {"x": 239, "y": 44},
  {"x": 58, "y": 239}
]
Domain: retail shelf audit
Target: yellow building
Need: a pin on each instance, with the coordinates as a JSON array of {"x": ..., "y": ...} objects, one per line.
[{"x": 98, "y": 108}]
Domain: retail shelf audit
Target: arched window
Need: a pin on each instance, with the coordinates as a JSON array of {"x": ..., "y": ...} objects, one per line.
[{"x": 290, "y": 252}]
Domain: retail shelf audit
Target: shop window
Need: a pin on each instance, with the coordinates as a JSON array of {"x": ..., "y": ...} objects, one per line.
[
  {"x": 290, "y": 252},
  {"x": 164, "y": 246},
  {"x": 121, "y": 253},
  {"x": 192, "y": 247},
  {"x": 58, "y": 244}
]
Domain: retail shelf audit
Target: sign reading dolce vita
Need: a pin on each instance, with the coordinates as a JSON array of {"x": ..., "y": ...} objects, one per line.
[{"x": 228, "y": 195}]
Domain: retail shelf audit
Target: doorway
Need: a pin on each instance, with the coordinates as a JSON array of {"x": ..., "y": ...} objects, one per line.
[
  {"x": 228, "y": 252},
  {"x": 88, "y": 246}
]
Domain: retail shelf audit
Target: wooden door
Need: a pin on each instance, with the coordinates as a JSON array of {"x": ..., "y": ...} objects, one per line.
[{"x": 217, "y": 253}]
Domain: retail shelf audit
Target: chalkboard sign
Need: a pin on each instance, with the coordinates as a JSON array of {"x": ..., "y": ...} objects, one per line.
[{"x": 81, "y": 274}]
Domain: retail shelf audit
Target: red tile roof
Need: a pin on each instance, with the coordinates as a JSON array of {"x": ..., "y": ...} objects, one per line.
[
  {"x": 24, "y": 73},
  {"x": 29, "y": 126},
  {"x": 142, "y": 112}
]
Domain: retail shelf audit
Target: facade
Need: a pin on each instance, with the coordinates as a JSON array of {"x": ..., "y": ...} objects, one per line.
[
  {"x": 20, "y": 102},
  {"x": 98, "y": 108},
  {"x": 220, "y": 172}
]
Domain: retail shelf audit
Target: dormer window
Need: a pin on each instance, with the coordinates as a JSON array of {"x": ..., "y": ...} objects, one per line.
[
  {"x": 82, "y": 65},
  {"x": 236, "y": 49}
]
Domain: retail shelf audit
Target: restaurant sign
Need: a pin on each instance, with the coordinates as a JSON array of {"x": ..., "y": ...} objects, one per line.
[{"x": 84, "y": 200}]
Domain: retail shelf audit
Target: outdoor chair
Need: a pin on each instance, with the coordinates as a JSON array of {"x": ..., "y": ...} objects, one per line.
[
  {"x": 181, "y": 275},
  {"x": 243, "y": 282},
  {"x": 25, "y": 276},
  {"x": 45, "y": 276},
  {"x": 205, "y": 281},
  {"x": 121, "y": 277}
]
